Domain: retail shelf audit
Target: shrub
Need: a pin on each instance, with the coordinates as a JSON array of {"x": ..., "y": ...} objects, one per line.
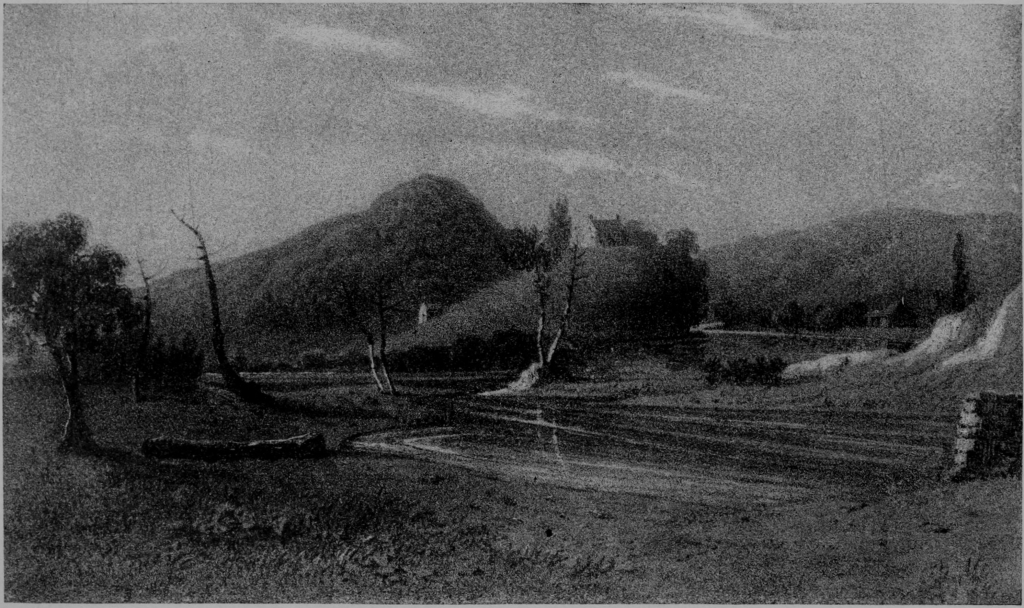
[
  {"x": 508, "y": 349},
  {"x": 315, "y": 359},
  {"x": 758, "y": 370},
  {"x": 173, "y": 363},
  {"x": 419, "y": 359}
]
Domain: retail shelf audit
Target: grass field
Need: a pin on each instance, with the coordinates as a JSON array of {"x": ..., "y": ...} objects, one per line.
[{"x": 803, "y": 493}]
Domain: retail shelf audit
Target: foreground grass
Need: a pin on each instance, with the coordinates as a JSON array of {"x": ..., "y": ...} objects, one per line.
[{"x": 362, "y": 528}]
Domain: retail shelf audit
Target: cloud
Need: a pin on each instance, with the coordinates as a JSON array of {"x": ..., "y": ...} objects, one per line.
[
  {"x": 733, "y": 19},
  {"x": 234, "y": 147},
  {"x": 573, "y": 160},
  {"x": 646, "y": 82},
  {"x": 959, "y": 176},
  {"x": 346, "y": 40},
  {"x": 506, "y": 102}
]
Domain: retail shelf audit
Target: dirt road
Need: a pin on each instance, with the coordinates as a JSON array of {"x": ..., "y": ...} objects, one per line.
[{"x": 696, "y": 454}]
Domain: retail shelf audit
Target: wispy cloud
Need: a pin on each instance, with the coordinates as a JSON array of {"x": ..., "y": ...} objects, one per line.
[
  {"x": 208, "y": 142},
  {"x": 573, "y": 160},
  {"x": 647, "y": 82},
  {"x": 346, "y": 40},
  {"x": 733, "y": 19},
  {"x": 506, "y": 102}
]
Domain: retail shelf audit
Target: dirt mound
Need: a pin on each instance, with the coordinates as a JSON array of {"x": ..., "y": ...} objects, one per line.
[
  {"x": 1005, "y": 327},
  {"x": 949, "y": 332},
  {"x": 525, "y": 382},
  {"x": 832, "y": 362}
]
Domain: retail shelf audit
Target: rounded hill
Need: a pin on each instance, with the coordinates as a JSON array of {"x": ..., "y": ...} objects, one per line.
[{"x": 277, "y": 301}]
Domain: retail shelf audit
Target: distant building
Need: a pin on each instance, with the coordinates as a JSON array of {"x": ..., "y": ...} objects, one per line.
[
  {"x": 426, "y": 312},
  {"x": 616, "y": 233}
]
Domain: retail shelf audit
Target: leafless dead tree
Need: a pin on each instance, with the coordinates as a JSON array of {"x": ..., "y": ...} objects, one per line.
[
  {"x": 232, "y": 380},
  {"x": 147, "y": 327}
]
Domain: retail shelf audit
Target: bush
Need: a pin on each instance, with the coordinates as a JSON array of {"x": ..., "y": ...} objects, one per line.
[
  {"x": 418, "y": 359},
  {"x": 759, "y": 370},
  {"x": 173, "y": 363},
  {"x": 509, "y": 349},
  {"x": 311, "y": 360}
]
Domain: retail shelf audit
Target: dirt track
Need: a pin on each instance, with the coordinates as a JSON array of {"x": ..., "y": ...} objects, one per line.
[{"x": 697, "y": 454}]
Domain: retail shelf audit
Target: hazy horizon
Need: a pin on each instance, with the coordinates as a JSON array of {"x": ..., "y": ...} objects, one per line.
[{"x": 261, "y": 120}]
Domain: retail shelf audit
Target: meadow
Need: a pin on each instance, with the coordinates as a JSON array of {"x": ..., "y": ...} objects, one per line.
[{"x": 805, "y": 492}]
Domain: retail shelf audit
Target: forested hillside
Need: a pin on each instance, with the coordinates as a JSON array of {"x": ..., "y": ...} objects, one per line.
[{"x": 832, "y": 274}]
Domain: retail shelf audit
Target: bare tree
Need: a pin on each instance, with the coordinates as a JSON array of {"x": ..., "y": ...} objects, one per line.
[
  {"x": 575, "y": 276},
  {"x": 147, "y": 327},
  {"x": 232, "y": 380},
  {"x": 353, "y": 307},
  {"x": 545, "y": 267}
]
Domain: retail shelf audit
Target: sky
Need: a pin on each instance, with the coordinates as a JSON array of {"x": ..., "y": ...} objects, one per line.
[{"x": 258, "y": 120}]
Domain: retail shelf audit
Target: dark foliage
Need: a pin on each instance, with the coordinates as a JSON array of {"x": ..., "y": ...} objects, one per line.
[
  {"x": 70, "y": 296},
  {"x": 312, "y": 360},
  {"x": 962, "y": 294},
  {"x": 758, "y": 370},
  {"x": 508, "y": 349},
  {"x": 879, "y": 258},
  {"x": 558, "y": 234},
  {"x": 520, "y": 244},
  {"x": 672, "y": 292},
  {"x": 173, "y": 362}
]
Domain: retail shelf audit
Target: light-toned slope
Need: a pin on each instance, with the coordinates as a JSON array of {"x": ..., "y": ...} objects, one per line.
[
  {"x": 833, "y": 362},
  {"x": 977, "y": 349},
  {"x": 947, "y": 333},
  {"x": 988, "y": 345},
  {"x": 986, "y": 354}
]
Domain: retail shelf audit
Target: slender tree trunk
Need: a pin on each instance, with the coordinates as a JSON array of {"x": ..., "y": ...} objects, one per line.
[
  {"x": 232, "y": 380},
  {"x": 373, "y": 361},
  {"x": 542, "y": 283},
  {"x": 76, "y": 436},
  {"x": 147, "y": 326},
  {"x": 574, "y": 279},
  {"x": 382, "y": 319}
]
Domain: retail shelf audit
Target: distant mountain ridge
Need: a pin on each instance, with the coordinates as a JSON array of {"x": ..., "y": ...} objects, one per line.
[{"x": 875, "y": 258}]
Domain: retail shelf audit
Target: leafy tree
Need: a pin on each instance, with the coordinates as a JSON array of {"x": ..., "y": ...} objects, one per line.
[
  {"x": 638, "y": 235},
  {"x": 68, "y": 295},
  {"x": 520, "y": 244},
  {"x": 792, "y": 316},
  {"x": 674, "y": 288},
  {"x": 558, "y": 233},
  {"x": 173, "y": 363}
]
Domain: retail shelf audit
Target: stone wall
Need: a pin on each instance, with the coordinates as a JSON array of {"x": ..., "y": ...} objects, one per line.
[{"x": 988, "y": 437}]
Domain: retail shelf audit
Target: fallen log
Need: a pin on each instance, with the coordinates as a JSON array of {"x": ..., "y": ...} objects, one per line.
[{"x": 301, "y": 446}]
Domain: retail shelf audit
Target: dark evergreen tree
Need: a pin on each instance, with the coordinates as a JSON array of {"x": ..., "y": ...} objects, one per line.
[
  {"x": 962, "y": 294},
  {"x": 559, "y": 230}
]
